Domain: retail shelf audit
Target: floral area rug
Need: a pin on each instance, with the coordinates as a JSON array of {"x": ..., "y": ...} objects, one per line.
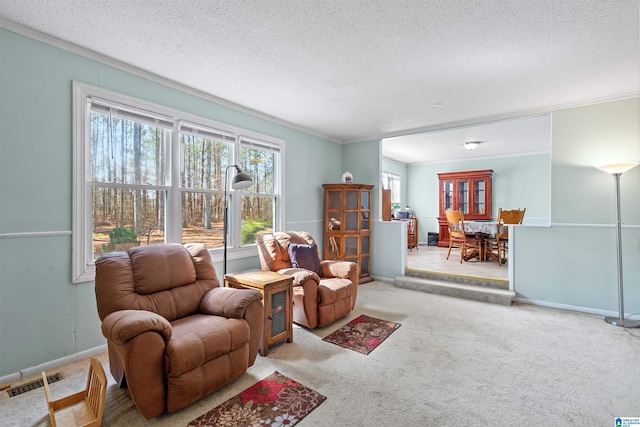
[
  {"x": 275, "y": 401},
  {"x": 362, "y": 334}
]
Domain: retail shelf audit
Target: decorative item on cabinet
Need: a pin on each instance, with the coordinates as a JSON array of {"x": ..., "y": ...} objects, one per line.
[
  {"x": 406, "y": 213},
  {"x": 347, "y": 178},
  {"x": 395, "y": 213},
  {"x": 347, "y": 229},
  {"x": 468, "y": 191}
]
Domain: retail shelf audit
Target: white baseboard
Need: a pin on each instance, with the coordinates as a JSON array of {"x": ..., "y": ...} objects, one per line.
[
  {"x": 588, "y": 310},
  {"x": 52, "y": 364},
  {"x": 383, "y": 279}
]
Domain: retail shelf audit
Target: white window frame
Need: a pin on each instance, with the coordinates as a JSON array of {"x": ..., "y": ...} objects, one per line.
[
  {"x": 388, "y": 178},
  {"x": 83, "y": 267},
  {"x": 248, "y": 139}
]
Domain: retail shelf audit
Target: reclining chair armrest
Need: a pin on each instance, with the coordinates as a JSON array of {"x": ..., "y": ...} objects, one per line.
[
  {"x": 254, "y": 316},
  {"x": 123, "y": 325},
  {"x": 239, "y": 304},
  {"x": 228, "y": 302},
  {"x": 339, "y": 269},
  {"x": 305, "y": 295},
  {"x": 300, "y": 275}
]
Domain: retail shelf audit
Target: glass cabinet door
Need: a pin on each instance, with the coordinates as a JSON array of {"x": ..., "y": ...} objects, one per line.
[
  {"x": 463, "y": 196},
  {"x": 334, "y": 211},
  {"x": 351, "y": 221},
  {"x": 351, "y": 248},
  {"x": 351, "y": 210},
  {"x": 364, "y": 265},
  {"x": 365, "y": 220},
  {"x": 364, "y": 202},
  {"x": 351, "y": 200},
  {"x": 447, "y": 195},
  {"x": 366, "y": 210},
  {"x": 333, "y": 246},
  {"x": 479, "y": 197},
  {"x": 364, "y": 255}
]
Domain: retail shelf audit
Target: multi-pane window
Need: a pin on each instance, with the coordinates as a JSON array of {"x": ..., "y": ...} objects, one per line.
[
  {"x": 391, "y": 182},
  {"x": 204, "y": 157},
  {"x": 146, "y": 175},
  {"x": 258, "y": 203},
  {"x": 128, "y": 177}
]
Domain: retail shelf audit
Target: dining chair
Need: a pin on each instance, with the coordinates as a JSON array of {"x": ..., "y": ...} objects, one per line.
[
  {"x": 499, "y": 245},
  {"x": 457, "y": 236},
  {"x": 412, "y": 234}
]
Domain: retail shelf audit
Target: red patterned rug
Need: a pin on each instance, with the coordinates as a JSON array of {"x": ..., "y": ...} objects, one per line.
[
  {"x": 275, "y": 401},
  {"x": 362, "y": 334}
]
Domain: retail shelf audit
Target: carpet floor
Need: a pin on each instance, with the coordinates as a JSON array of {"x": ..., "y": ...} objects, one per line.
[{"x": 453, "y": 362}]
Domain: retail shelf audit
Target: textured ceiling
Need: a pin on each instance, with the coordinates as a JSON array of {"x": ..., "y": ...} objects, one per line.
[{"x": 361, "y": 69}]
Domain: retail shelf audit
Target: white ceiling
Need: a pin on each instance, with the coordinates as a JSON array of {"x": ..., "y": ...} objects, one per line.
[
  {"x": 353, "y": 70},
  {"x": 513, "y": 137}
]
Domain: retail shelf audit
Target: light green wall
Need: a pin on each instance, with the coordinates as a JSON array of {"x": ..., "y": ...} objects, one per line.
[
  {"x": 518, "y": 182},
  {"x": 43, "y": 316},
  {"x": 587, "y": 137},
  {"x": 573, "y": 262},
  {"x": 362, "y": 159}
]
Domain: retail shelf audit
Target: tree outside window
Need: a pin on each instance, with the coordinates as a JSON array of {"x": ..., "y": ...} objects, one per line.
[{"x": 146, "y": 177}]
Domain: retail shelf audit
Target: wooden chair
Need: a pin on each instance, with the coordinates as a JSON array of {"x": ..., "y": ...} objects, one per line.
[
  {"x": 457, "y": 236},
  {"x": 412, "y": 234},
  {"x": 83, "y": 408},
  {"x": 498, "y": 246}
]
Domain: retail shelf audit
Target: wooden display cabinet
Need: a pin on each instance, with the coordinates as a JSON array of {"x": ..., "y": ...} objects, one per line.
[
  {"x": 347, "y": 227},
  {"x": 469, "y": 191}
]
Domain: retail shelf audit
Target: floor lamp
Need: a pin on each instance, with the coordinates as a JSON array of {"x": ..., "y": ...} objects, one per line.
[
  {"x": 617, "y": 170},
  {"x": 240, "y": 181}
]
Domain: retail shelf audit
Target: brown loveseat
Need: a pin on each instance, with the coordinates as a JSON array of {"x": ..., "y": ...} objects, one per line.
[
  {"x": 174, "y": 335},
  {"x": 319, "y": 298}
]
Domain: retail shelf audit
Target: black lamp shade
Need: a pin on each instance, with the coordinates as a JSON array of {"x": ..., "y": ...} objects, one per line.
[{"x": 241, "y": 180}]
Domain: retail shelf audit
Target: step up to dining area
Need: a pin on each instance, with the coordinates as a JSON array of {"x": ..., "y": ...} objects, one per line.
[{"x": 494, "y": 291}]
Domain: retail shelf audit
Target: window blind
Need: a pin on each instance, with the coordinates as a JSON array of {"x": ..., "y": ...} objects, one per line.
[
  {"x": 201, "y": 131},
  {"x": 259, "y": 144},
  {"x": 127, "y": 112}
]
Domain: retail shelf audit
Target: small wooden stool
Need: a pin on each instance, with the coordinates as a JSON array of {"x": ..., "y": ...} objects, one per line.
[{"x": 83, "y": 408}]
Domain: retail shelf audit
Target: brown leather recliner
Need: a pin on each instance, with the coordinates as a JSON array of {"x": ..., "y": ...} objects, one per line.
[
  {"x": 317, "y": 301},
  {"x": 173, "y": 334}
]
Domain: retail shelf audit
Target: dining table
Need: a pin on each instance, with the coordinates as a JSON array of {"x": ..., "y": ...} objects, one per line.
[{"x": 481, "y": 231}]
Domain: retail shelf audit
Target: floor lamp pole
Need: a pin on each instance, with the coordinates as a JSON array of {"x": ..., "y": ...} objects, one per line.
[
  {"x": 240, "y": 181},
  {"x": 226, "y": 222},
  {"x": 620, "y": 320},
  {"x": 224, "y": 240}
]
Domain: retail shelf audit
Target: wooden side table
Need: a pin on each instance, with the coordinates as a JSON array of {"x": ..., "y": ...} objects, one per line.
[{"x": 276, "y": 290}]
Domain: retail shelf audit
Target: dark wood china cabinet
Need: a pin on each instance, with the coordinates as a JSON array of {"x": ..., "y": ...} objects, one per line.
[{"x": 469, "y": 191}]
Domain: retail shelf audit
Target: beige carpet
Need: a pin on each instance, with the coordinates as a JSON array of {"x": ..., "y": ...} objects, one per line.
[{"x": 453, "y": 362}]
